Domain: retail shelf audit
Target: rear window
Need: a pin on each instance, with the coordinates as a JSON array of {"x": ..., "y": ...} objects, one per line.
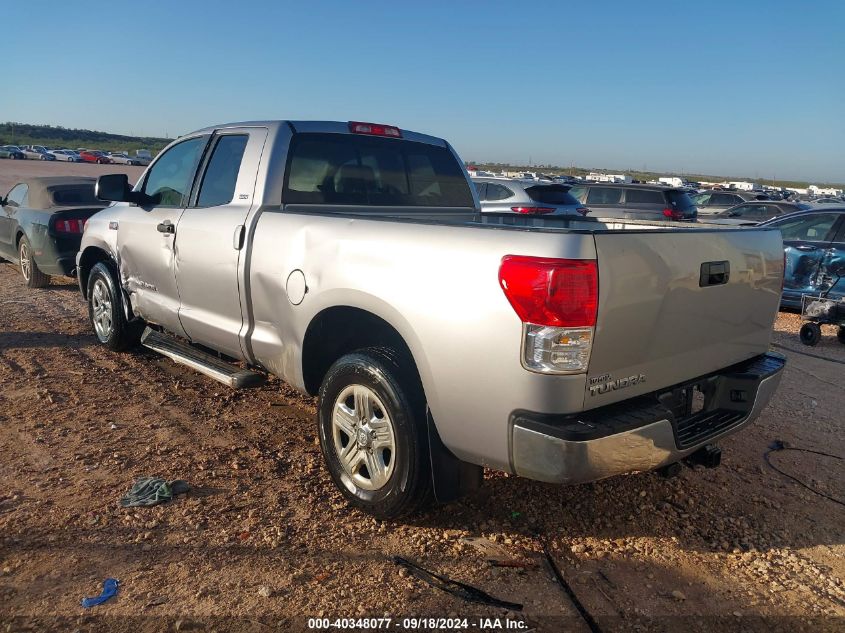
[
  {"x": 724, "y": 199},
  {"x": 363, "y": 170},
  {"x": 680, "y": 200},
  {"x": 71, "y": 196},
  {"x": 552, "y": 194},
  {"x": 644, "y": 196}
]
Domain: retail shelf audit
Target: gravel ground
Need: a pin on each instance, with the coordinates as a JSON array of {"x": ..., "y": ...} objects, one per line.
[{"x": 264, "y": 540}]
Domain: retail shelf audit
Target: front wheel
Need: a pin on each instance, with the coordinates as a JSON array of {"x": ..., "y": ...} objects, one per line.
[
  {"x": 32, "y": 275},
  {"x": 372, "y": 426},
  {"x": 810, "y": 334},
  {"x": 105, "y": 310}
]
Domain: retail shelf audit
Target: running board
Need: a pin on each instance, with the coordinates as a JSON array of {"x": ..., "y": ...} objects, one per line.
[{"x": 203, "y": 362}]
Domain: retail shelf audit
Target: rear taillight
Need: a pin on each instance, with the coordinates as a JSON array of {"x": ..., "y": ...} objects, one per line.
[
  {"x": 582, "y": 210},
  {"x": 374, "y": 129},
  {"x": 673, "y": 214},
  {"x": 557, "y": 302},
  {"x": 533, "y": 210},
  {"x": 71, "y": 226}
]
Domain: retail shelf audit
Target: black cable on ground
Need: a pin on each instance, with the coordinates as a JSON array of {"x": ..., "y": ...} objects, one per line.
[
  {"x": 778, "y": 446},
  {"x": 454, "y": 587},
  {"x": 582, "y": 610},
  {"x": 803, "y": 353}
]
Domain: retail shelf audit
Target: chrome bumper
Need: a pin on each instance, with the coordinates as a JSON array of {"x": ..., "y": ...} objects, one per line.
[{"x": 548, "y": 452}]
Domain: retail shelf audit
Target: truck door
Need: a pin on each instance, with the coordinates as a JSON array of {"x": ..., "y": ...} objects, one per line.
[
  {"x": 145, "y": 234},
  {"x": 806, "y": 240},
  {"x": 210, "y": 237}
]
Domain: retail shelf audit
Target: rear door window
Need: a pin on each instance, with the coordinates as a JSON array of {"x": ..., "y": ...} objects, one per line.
[
  {"x": 350, "y": 169},
  {"x": 604, "y": 195},
  {"x": 644, "y": 196},
  {"x": 551, "y": 194},
  {"x": 724, "y": 199},
  {"x": 221, "y": 175}
]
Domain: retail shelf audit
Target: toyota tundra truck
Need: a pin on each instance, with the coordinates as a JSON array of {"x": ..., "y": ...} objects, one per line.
[{"x": 351, "y": 260}]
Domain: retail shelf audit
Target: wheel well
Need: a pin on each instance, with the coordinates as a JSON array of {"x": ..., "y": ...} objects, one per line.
[
  {"x": 18, "y": 238},
  {"x": 90, "y": 258},
  {"x": 337, "y": 331}
]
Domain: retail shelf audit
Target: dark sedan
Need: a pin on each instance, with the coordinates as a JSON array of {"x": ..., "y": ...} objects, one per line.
[
  {"x": 814, "y": 245},
  {"x": 41, "y": 224},
  {"x": 755, "y": 212}
]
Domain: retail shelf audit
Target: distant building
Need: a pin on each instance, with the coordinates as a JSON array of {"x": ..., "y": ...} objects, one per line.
[
  {"x": 744, "y": 185},
  {"x": 597, "y": 177},
  {"x": 820, "y": 192}
]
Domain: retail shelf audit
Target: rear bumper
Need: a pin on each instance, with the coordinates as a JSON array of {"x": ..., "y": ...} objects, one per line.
[{"x": 644, "y": 433}]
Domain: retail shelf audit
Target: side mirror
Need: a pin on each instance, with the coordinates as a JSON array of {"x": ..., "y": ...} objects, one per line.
[{"x": 113, "y": 187}]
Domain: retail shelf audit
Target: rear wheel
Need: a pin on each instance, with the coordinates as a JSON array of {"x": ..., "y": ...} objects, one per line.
[
  {"x": 810, "y": 334},
  {"x": 372, "y": 426},
  {"x": 105, "y": 310},
  {"x": 32, "y": 275}
]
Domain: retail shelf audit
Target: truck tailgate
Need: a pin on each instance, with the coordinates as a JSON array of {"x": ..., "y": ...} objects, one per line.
[{"x": 667, "y": 314}]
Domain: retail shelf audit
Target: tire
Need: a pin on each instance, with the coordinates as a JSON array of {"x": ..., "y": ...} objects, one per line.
[
  {"x": 810, "y": 334},
  {"x": 43, "y": 158},
  {"x": 105, "y": 311},
  {"x": 99, "y": 161},
  {"x": 32, "y": 275},
  {"x": 372, "y": 401},
  {"x": 840, "y": 334}
]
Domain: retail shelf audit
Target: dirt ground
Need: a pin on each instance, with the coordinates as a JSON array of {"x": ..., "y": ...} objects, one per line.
[{"x": 264, "y": 541}]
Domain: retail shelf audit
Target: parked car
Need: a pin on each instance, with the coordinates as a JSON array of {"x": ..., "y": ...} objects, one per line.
[
  {"x": 122, "y": 158},
  {"x": 352, "y": 260},
  {"x": 94, "y": 156},
  {"x": 41, "y": 225},
  {"x": 713, "y": 202},
  {"x": 66, "y": 155},
  {"x": 11, "y": 151},
  {"x": 754, "y": 212},
  {"x": 505, "y": 195},
  {"x": 827, "y": 201},
  {"x": 635, "y": 201},
  {"x": 37, "y": 152},
  {"x": 814, "y": 247}
]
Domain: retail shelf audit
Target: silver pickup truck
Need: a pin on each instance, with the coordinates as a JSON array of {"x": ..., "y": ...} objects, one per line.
[{"x": 352, "y": 261}]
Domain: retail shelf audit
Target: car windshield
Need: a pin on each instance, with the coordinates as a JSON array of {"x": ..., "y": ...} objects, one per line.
[{"x": 552, "y": 194}]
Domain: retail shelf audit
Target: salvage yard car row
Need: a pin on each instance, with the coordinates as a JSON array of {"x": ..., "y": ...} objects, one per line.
[{"x": 81, "y": 155}]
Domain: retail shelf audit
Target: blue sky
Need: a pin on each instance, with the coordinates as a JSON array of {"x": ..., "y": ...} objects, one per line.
[{"x": 750, "y": 88}]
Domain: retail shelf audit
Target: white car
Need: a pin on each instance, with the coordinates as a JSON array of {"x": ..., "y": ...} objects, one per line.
[
  {"x": 66, "y": 155},
  {"x": 122, "y": 158}
]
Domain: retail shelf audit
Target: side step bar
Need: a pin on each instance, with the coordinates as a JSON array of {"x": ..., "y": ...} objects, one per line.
[{"x": 203, "y": 362}]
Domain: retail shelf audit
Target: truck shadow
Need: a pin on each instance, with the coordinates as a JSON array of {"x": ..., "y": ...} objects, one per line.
[{"x": 31, "y": 340}]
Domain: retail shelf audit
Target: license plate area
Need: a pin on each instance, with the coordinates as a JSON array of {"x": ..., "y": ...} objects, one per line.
[{"x": 689, "y": 399}]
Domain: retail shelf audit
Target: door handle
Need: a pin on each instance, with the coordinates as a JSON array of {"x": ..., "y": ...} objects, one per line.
[
  {"x": 806, "y": 247},
  {"x": 238, "y": 237},
  {"x": 166, "y": 227}
]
